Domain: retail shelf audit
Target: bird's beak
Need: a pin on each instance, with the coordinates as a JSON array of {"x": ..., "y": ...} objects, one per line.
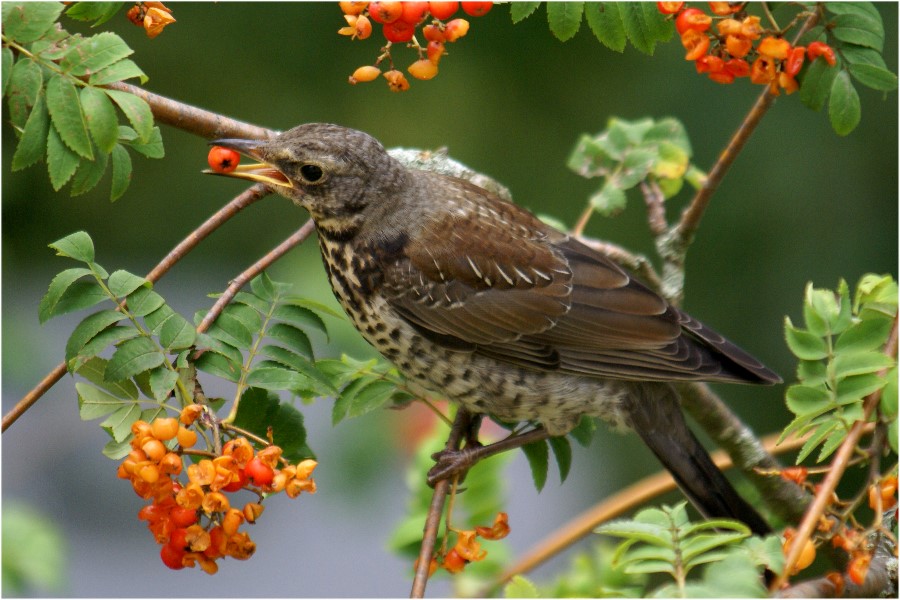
[{"x": 261, "y": 172}]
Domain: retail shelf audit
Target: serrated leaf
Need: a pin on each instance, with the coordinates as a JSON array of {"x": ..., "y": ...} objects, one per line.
[
  {"x": 889, "y": 395},
  {"x": 815, "y": 439},
  {"x": 865, "y": 335},
  {"x": 345, "y": 399},
  {"x": 61, "y": 161},
  {"x": 808, "y": 401},
  {"x": 539, "y": 461},
  {"x": 564, "y": 19},
  {"x": 93, "y": 370},
  {"x": 58, "y": 286},
  {"x": 518, "y": 586},
  {"x": 263, "y": 287},
  {"x": 142, "y": 302},
  {"x": 218, "y": 365},
  {"x": 94, "y": 403},
  {"x": 177, "y": 333},
  {"x": 33, "y": 143},
  {"x": 67, "y": 116},
  {"x": 605, "y": 21},
  {"x": 803, "y": 344},
  {"x": 6, "y": 65},
  {"x": 162, "y": 382},
  {"x": 371, "y": 397},
  {"x": 321, "y": 383},
  {"x": 275, "y": 378},
  {"x": 121, "y": 283},
  {"x": 644, "y": 25},
  {"x": 153, "y": 147},
  {"x": 101, "y": 118},
  {"x": 860, "y": 363},
  {"x": 118, "y": 424},
  {"x": 119, "y": 71},
  {"x": 562, "y": 452},
  {"x": 117, "y": 450},
  {"x": 874, "y": 77},
  {"x": 121, "y": 172},
  {"x": 259, "y": 409},
  {"x": 584, "y": 431},
  {"x": 649, "y": 533},
  {"x": 26, "y": 22},
  {"x": 296, "y": 339},
  {"x": 89, "y": 174},
  {"x": 99, "y": 12},
  {"x": 205, "y": 341},
  {"x": 843, "y": 104},
  {"x": 812, "y": 372},
  {"x": 89, "y": 328},
  {"x": 300, "y": 316},
  {"x": 79, "y": 295},
  {"x": 519, "y": 11},
  {"x": 95, "y": 53},
  {"x": 609, "y": 201},
  {"x": 103, "y": 340},
  {"x": 816, "y": 84},
  {"x": 136, "y": 110},
  {"x": 132, "y": 357},
  {"x": 24, "y": 87},
  {"x": 250, "y": 319},
  {"x": 831, "y": 444},
  {"x": 253, "y": 301},
  {"x": 231, "y": 331},
  {"x": 857, "y": 387},
  {"x": 860, "y": 29}
]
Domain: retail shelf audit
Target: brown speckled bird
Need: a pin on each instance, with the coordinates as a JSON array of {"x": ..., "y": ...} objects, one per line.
[{"x": 476, "y": 299}]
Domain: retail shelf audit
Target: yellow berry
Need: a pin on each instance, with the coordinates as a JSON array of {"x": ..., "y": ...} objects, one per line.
[
  {"x": 364, "y": 74},
  {"x": 423, "y": 69}
]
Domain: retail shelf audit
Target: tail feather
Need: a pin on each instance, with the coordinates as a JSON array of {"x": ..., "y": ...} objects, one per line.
[{"x": 656, "y": 416}]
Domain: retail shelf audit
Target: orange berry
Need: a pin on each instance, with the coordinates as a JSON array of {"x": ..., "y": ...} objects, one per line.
[
  {"x": 696, "y": 44},
  {"x": 171, "y": 464},
  {"x": 476, "y": 9},
  {"x": 172, "y": 556},
  {"x": 692, "y": 19},
  {"x": 154, "y": 449},
  {"x": 794, "y": 60},
  {"x": 396, "y": 81},
  {"x": 164, "y": 428},
  {"x": 414, "y": 12},
  {"x": 751, "y": 28},
  {"x": 838, "y": 582},
  {"x": 887, "y": 491},
  {"x": 232, "y": 521},
  {"x": 817, "y": 49},
  {"x": 443, "y": 10},
  {"x": 433, "y": 33},
  {"x": 807, "y": 555},
  {"x": 738, "y": 46},
  {"x": 763, "y": 70},
  {"x": 186, "y": 437},
  {"x": 385, "y": 12},
  {"x": 149, "y": 473},
  {"x": 729, "y": 27},
  {"x": 190, "y": 413},
  {"x": 252, "y": 511},
  {"x": 725, "y": 8},
  {"x": 140, "y": 428},
  {"x": 669, "y": 8},
  {"x": 456, "y": 29},
  {"x": 259, "y": 473},
  {"x": 777, "y": 48},
  {"x": 353, "y": 8},
  {"x": 183, "y": 517},
  {"x": 453, "y": 562},
  {"x": 423, "y": 69},
  {"x": 223, "y": 160},
  {"x": 435, "y": 51},
  {"x": 737, "y": 67},
  {"x": 497, "y": 531},
  {"x": 795, "y": 474},
  {"x": 858, "y": 568}
]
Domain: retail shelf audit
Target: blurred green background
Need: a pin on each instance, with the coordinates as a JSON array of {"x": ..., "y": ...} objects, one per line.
[{"x": 799, "y": 205}]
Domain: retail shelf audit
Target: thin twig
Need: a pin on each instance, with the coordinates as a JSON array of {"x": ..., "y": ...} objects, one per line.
[
  {"x": 656, "y": 208},
  {"x": 829, "y": 484},
  {"x": 255, "y": 269},
  {"x": 433, "y": 520}
]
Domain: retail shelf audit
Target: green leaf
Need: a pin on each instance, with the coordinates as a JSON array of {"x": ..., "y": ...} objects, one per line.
[
  {"x": 79, "y": 295},
  {"x": 831, "y": 444},
  {"x": 302, "y": 317},
  {"x": 275, "y": 378},
  {"x": 230, "y": 330},
  {"x": 260, "y": 409},
  {"x": 518, "y": 586},
  {"x": 23, "y": 89},
  {"x": 539, "y": 460},
  {"x": 562, "y": 452},
  {"x": 370, "y": 397},
  {"x": 860, "y": 29},
  {"x": 218, "y": 365},
  {"x": 132, "y": 357},
  {"x": 33, "y": 143},
  {"x": 95, "y": 53},
  {"x": 857, "y": 387},
  {"x": 609, "y": 201},
  {"x": 292, "y": 360},
  {"x": 860, "y": 363},
  {"x": 162, "y": 382},
  {"x": 119, "y": 71},
  {"x": 137, "y": 110},
  {"x": 816, "y": 84},
  {"x": 803, "y": 344},
  {"x": 564, "y": 19},
  {"x": 874, "y": 77},
  {"x": 93, "y": 370},
  {"x": 816, "y": 438},
  {"x": 518, "y": 11},
  {"x": 649, "y": 533},
  {"x": 843, "y": 105},
  {"x": 644, "y": 25},
  {"x": 807, "y": 400},
  {"x": 865, "y": 335},
  {"x": 263, "y": 287},
  {"x": 121, "y": 283},
  {"x": 118, "y": 424},
  {"x": 61, "y": 162},
  {"x": 99, "y": 12},
  {"x": 26, "y": 22},
  {"x": 296, "y": 339},
  {"x": 247, "y": 316},
  {"x": 143, "y": 302},
  {"x": 859, "y": 8},
  {"x": 110, "y": 336},
  {"x": 153, "y": 147},
  {"x": 605, "y": 20},
  {"x": 67, "y": 117},
  {"x": 101, "y": 118},
  {"x": 635, "y": 167},
  {"x": 889, "y": 395},
  {"x": 121, "y": 172},
  {"x": 177, "y": 333},
  {"x": 94, "y": 403},
  {"x": 89, "y": 174},
  {"x": 89, "y": 328},
  {"x": 6, "y": 66}
]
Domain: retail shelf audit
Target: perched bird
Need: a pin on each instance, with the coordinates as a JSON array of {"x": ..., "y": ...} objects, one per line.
[{"x": 474, "y": 298}]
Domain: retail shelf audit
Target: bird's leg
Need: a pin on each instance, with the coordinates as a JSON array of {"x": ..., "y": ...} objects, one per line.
[{"x": 453, "y": 462}]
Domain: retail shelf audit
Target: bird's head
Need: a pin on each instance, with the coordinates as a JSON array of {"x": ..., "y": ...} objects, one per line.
[{"x": 334, "y": 172}]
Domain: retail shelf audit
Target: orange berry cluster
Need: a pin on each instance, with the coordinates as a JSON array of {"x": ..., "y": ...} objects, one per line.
[
  {"x": 726, "y": 51},
  {"x": 399, "y": 21},
  {"x": 467, "y": 548},
  {"x": 194, "y": 521},
  {"x": 152, "y": 16}
]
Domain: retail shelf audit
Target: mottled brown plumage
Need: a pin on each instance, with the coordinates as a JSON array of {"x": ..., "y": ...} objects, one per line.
[{"x": 475, "y": 298}]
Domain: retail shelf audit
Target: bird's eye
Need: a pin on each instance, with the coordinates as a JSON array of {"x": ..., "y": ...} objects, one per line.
[{"x": 312, "y": 173}]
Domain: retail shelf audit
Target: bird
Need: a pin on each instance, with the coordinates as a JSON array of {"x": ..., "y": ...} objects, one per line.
[{"x": 474, "y": 298}]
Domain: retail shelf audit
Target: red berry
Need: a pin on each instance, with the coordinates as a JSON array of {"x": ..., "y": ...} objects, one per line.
[
  {"x": 476, "y": 9},
  {"x": 692, "y": 18},
  {"x": 385, "y": 12},
  {"x": 237, "y": 484},
  {"x": 456, "y": 29},
  {"x": 172, "y": 556},
  {"x": 414, "y": 12},
  {"x": 794, "y": 60},
  {"x": 443, "y": 10},
  {"x": 398, "y": 31},
  {"x": 183, "y": 517},
  {"x": 223, "y": 160},
  {"x": 858, "y": 568},
  {"x": 435, "y": 51},
  {"x": 817, "y": 49},
  {"x": 433, "y": 34},
  {"x": 258, "y": 472},
  {"x": 737, "y": 67}
]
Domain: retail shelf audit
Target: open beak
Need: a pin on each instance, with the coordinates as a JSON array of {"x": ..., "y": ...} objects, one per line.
[{"x": 261, "y": 172}]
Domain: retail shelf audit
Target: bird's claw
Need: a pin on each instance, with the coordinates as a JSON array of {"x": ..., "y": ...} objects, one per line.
[{"x": 451, "y": 463}]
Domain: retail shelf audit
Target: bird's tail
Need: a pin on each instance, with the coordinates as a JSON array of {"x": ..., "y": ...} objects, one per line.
[{"x": 656, "y": 416}]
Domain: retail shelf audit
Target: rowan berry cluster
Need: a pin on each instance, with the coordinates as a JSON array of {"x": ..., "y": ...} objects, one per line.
[
  {"x": 467, "y": 548},
  {"x": 193, "y": 520},
  {"x": 399, "y": 22},
  {"x": 727, "y": 51},
  {"x": 152, "y": 16},
  {"x": 882, "y": 495}
]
